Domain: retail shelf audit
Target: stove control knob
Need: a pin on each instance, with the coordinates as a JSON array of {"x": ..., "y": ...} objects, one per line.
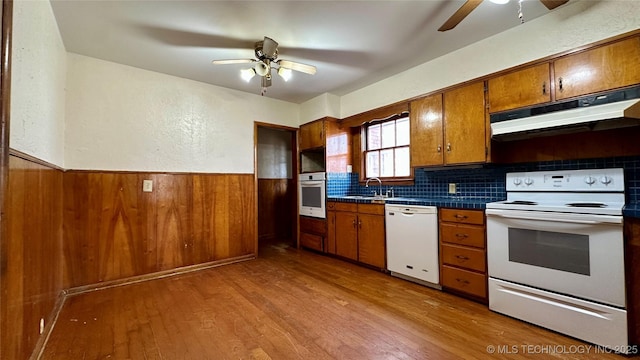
[
  {"x": 606, "y": 180},
  {"x": 590, "y": 180},
  {"x": 517, "y": 181},
  {"x": 528, "y": 181}
]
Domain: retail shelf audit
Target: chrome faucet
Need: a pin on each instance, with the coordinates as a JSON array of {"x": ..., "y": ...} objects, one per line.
[{"x": 379, "y": 182}]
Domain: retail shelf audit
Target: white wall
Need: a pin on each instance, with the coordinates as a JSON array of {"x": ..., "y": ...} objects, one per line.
[
  {"x": 323, "y": 105},
  {"x": 576, "y": 24},
  {"x": 125, "y": 118},
  {"x": 38, "y": 72},
  {"x": 274, "y": 158}
]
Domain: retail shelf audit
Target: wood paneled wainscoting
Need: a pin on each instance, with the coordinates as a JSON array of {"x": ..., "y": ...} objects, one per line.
[
  {"x": 113, "y": 230},
  {"x": 276, "y": 204},
  {"x": 32, "y": 257}
]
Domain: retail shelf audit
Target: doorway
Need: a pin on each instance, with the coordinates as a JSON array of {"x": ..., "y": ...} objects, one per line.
[{"x": 276, "y": 173}]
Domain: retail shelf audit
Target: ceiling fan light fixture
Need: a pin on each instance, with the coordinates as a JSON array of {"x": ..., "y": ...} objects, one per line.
[
  {"x": 285, "y": 73},
  {"x": 261, "y": 68},
  {"x": 247, "y": 74},
  {"x": 500, "y": 2}
]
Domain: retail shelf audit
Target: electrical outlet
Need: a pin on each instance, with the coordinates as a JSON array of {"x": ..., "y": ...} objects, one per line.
[
  {"x": 41, "y": 325},
  {"x": 147, "y": 185},
  {"x": 452, "y": 188}
]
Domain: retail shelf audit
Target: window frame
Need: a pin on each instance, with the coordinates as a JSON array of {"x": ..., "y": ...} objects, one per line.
[{"x": 398, "y": 180}]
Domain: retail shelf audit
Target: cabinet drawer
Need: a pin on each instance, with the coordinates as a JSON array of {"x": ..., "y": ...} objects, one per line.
[
  {"x": 343, "y": 206},
  {"x": 466, "y": 281},
  {"x": 311, "y": 241},
  {"x": 313, "y": 226},
  {"x": 475, "y": 217},
  {"x": 373, "y": 209},
  {"x": 462, "y": 235},
  {"x": 470, "y": 258},
  {"x": 331, "y": 205}
]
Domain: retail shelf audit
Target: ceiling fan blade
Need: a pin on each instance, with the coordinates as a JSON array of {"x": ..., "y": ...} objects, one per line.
[
  {"x": 269, "y": 47},
  {"x": 552, "y": 4},
  {"x": 459, "y": 15},
  {"x": 232, "y": 61},
  {"x": 307, "y": 69}
]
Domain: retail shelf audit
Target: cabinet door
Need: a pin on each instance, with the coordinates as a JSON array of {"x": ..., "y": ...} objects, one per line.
[
  {"x": 426, "y": 131},
  {"x": 371, "y": 236},
  {"x": 312, "y": 135},
  {"x": 600, "y": 69},
  {"x": 347, "y": 235},
  {"x": 522, "y": 88},
  {"x": 465, "y": 126},
  {"x": 331, "y": 232}
]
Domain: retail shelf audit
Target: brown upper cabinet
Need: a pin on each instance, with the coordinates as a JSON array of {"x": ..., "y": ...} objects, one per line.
[
  {"x": 602, "y": 68},
  {"x": 520, "y": 88},
  {"x": 449, "y": 128},
  {"x": 426, "y": 131},
  {"x": 312, "y": 135}
]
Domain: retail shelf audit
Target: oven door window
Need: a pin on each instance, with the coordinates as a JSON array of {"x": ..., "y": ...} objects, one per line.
[
  {"x": 312, "y": 196},
  {"x": 551, "y": 250}
]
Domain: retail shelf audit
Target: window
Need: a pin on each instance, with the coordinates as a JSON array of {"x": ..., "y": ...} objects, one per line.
[{"x": 387, "y": 149}]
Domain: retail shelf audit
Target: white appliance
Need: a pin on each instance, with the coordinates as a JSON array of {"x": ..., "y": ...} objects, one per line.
[
  {"x": 412, "y": 243},
  {"x": 312, "y": 194},
  {"x": 555, "y": 253},
  {"x": 619, "y": 108}
]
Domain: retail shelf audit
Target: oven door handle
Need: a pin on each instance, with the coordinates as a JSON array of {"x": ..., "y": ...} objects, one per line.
[
  {"x": 311, "y": 183},
  {"x": 557, "y": 217}
]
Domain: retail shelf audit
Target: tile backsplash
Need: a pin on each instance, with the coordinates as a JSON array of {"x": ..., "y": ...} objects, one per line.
[{"x": 486, "y": 181}]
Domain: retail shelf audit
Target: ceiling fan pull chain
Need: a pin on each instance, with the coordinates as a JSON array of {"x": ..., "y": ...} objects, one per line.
[{"x": 520, "y": 15}]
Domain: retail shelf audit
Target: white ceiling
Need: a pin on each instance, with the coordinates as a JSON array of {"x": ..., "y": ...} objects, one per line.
[{"x": 352, "y": 43}]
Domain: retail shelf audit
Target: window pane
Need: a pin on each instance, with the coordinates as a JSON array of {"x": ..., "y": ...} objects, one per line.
[
  {"x": 373, "y": 167},
  {"x": 403, "y": 168},
  {"x": 402, "y": 132},
  {"x": 386, "y": 163},
  {"x": 389, "y": 134},
  {"x": 373, "y": 137}
]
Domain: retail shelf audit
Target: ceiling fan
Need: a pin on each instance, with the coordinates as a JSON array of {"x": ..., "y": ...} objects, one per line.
[
  {"x": 470, "y": 5},
  {"x": 266, "y": 52}
]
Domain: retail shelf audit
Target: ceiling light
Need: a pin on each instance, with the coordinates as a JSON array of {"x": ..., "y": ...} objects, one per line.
[
  {"x": 261, "y": 68},
  {"x": 284, "y": 73},
  {"x": 247, "y": 74},
  {"x": 501, "y": 2}
]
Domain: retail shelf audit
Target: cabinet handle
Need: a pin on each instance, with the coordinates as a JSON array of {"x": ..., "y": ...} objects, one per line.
[
  {"x": 439, "y": 148},
  {"x": 560, "y": 84},
  {"x": 462, "y": 257},
  {"x": 463, "y": 281},
  {"x": 460, "y": 217},
  {"x": 448, "y": 147},
  {"x": 544, "y": 88},
  {"x": 462, "y": 236},
  {"x": 354, "y": 222},
  {"x": 360, "y": 224}
]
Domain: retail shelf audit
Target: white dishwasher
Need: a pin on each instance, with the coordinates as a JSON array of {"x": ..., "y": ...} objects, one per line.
[{"x": 412, "y": 243}]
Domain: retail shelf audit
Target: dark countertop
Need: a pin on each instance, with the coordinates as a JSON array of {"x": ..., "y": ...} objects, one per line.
[
  {"x": 631, "y": 210},
  {"x": 458, "y": 202}
]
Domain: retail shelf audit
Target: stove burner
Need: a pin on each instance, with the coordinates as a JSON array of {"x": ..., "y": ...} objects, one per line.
[
  {"x": 521, "y": 202},
  {"x": 591, "y": 205}
]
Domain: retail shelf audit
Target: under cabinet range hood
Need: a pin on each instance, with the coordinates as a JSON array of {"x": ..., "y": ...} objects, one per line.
[{"x": 597, "y": 112}]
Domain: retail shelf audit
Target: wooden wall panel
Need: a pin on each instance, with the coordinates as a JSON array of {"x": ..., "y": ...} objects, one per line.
[
  {"x": 276, "y": 208},
  {"x": 114, "y": 230},
  {"x": 32, "y": 262}
]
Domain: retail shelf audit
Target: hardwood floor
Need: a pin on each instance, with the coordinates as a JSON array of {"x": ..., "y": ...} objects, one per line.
[{"x": 291, "y": 304}]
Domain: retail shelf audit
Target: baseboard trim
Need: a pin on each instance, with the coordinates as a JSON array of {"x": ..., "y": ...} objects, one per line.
[
  {"x": 156, "y": 275},
  {"x": 48, "y": 329}
]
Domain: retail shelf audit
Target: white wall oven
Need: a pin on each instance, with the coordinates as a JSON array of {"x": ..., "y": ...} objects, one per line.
[
  {"x": 312, "y": 194},
  {"x": 556, "y": 254}
]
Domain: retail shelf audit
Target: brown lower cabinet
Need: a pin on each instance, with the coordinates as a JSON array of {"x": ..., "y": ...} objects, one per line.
[
  {"x": 357, "y": 232},
  {"x": 463, "y": 255},
  {"x": 632, "y": 275},
  {"x": 313, "y": 233}
]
